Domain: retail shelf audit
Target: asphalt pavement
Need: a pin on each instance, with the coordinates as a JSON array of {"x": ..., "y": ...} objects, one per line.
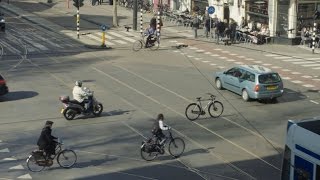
[{"x": 41, "y": 62}]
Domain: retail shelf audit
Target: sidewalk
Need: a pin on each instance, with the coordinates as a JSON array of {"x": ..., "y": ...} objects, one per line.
[{"x": 92, "y": 17}]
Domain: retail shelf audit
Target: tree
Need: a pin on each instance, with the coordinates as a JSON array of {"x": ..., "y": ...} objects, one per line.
[{"x": 115, "y": 14}]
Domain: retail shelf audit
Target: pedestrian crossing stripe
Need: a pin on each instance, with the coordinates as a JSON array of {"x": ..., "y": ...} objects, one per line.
[
  {"x": 313, "y": 58},
  {"x": 311, "y": 65},
  {"x": 282, "y": 57},
  {"x": 271, "y": 55},
  {"x": 291, "y": 60},
  {"x": 308, "y": 62},
  {"x": 9, "y": 159},
  {"x": 297, "y": 82},
  {"x": 123, "y": 37},
  {"x": 98, "y": 39},
  {"x": 295, "y": 73},
  {"x": 4, "y": 150},
  {"x": 316, "y": 68},
  {"x": 120, "y": 41},
  {"x": 17, "y": 167},
  {"x": 308, "y": 85},
  {"x": 26, "y": 176}
]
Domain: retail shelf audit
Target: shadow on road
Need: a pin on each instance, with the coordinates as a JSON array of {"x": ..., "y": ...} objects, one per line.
[{"x": 18, "y": 95}]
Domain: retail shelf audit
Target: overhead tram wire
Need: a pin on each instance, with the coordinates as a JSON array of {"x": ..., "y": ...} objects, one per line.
[{"x": 266, "y": 139}]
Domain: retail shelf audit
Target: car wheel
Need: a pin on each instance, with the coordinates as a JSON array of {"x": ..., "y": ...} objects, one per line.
[
  {"x": 245, "y": 95},
  {"x": 218, "y": 83}
]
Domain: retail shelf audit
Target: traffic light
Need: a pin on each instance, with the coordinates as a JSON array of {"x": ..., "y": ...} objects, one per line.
[{"x": 78, "y": 3}]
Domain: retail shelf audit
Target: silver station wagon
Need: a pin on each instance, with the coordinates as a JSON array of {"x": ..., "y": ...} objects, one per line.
[{"x": 251, "y": 81}]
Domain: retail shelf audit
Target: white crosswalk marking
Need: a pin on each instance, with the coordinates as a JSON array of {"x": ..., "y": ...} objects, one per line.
[
  {"x": 233, "y": 54},
  {"x": 308, "y": 85},
  {"x": 308, "y": 77},
  {"x": 271, "y": 55},
  {"x": 282, "y": 57},
  {"x": 206, "y": 61},
  {"x": 297, "y": 82},
  {"x": 231, "y": 60},
  {"x": 5, "y": 150},
  {"x": 286, "y": 78},
  {"x": 286, "y": 70},
  {"x": 98, "y": 39},
  {"x": 311, "y": 65},
  {"x": 9, "y": 159},
  {"x": 193, "y": 48},
  {"x": 267, "y": 64},
  {"x": 11, "y": 48},
  {"x": 17, "y": 167},
  {"x": 313, "y": 58},
  {"x": 238, "y": 62},
  {"x": 316, "y": 68},
  {"x": 222, "y": 57},
  {"x": 136, "y": 35},
  {"x": 258, "y": 62},
  {"x": 207, "y": 53},
  {"x": 295, "y": 73},
  {"x": 189, "y": 56},
  {"x": 212, "y": 64},
  {"x": 120, "y": 41},
  {"x": 305, "y": 62},
  {"x": 214, "y": 55},
  {"x": 292, "y": 60},
  {"x": 199, "y": 50},
  {"x": 26, "y": 176},
  {"x": 276, "y": 67}
]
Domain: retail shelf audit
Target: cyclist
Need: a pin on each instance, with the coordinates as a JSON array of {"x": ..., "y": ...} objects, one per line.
[
  {"x": 46, "y": 141},
  {"x": 158, "y": 127},
  {"x": 150, "y": 32}
]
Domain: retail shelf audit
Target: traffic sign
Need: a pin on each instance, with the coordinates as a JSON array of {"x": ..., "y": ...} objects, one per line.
[
  {"x": 211, "y": 9},
  {"x": 103, "y": 27}
]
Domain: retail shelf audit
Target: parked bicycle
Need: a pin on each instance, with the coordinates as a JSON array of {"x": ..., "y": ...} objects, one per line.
[
  {"x": 37, "y": 160},
  {"x": 150, "y": 149},
  {"x": 194, "y": 110},
  {"x": 139, "y": 44}
]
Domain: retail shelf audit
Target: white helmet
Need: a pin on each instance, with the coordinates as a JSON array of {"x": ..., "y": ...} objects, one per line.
[{"x": 78, "y": 83}]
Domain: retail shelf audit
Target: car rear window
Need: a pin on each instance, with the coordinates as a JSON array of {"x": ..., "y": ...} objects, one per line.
[
  {"x": 1, "y": 78},
  {"x": 269, "y": 78}
]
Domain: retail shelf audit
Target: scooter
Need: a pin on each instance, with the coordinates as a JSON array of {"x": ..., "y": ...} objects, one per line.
[{"x": 72, "y": 108}]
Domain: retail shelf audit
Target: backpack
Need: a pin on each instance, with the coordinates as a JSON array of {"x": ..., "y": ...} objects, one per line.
[{"x": 156, "y": 128}]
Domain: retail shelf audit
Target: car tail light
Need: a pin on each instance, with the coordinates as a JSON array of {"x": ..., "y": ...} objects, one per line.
[
  {"x": 256, "y": 88},
  {"x": 2, "y": 82}
]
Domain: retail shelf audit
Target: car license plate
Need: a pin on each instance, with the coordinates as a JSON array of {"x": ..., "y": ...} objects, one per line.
[
  {"x": 62, "y": 111},
  {"x": 272, "y": 87}
]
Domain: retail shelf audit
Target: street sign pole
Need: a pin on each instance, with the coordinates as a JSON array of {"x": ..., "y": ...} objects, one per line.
[{"x": 211, "y": 10}]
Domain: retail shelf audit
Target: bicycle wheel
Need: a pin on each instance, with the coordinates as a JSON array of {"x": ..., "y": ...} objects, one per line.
[
  {"x": 155, "y": 45},
  {"x": 137, "y": 45},
  {"x": 33, "y": 164},
  {"x": 193, "y": 111},
  {"x": 67, "y": 158},
  {"x": 148, "y": 156},
  {"x": 215, "y": 109},
  {"x": 176, "y": 147}
]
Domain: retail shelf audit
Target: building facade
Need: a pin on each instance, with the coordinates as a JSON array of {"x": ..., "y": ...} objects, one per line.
[{"x": 284, "y": 18}]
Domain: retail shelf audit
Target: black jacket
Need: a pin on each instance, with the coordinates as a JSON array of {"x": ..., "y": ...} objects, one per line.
[{"x": 45, "y": 138}]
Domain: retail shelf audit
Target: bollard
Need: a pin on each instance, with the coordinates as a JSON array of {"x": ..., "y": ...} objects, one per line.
[
  {"x": 103, "y": 39},
  {"x": 78, "y": 23},
  {"x": 141, "y": 21}
]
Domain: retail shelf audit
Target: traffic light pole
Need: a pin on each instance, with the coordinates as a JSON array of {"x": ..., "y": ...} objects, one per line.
[
  {"x": 78, "y": 22},
  {"x": 135, "y": 14}
]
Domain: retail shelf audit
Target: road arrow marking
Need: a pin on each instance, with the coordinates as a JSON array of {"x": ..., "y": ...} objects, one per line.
[
  {"x": 4, "y": 150},
  {"x": 17, "y": 167},
  {"x": 26, "y": 176}
]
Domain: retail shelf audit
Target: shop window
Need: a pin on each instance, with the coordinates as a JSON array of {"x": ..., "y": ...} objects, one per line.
[{"x": 282, "y": 18}]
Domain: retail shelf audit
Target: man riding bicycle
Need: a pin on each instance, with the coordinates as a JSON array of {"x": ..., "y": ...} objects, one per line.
[{"x": 158, "y": 127}]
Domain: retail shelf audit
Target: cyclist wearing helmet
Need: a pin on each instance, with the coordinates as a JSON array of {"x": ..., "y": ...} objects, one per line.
[
  {"x": 158, "y": 127},
  {"x": 80, "y": 95}
]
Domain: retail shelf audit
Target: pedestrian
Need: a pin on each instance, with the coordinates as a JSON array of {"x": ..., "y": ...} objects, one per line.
[
  {"x": 195, "y": 25},
  {"x": 207, "y": 27}
]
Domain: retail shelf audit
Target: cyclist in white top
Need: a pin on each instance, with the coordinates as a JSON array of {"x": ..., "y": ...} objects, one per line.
[{"x": 158, "y": 127}]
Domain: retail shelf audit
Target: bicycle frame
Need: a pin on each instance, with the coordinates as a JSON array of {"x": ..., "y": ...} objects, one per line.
[{"x": 199, "y": 103}]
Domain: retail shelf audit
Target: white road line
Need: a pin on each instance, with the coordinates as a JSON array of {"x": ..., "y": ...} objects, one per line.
[
  {"x": 308, "y": 85},
  {"x": 315, "y": 102},
  {"x": 316, "y": 79},
  {"x": 238, "y": 62},
  {"x": 286, "y": 70},
  {"x": 271, "y": 55},
  {"x": 311, "y": 65},
  {"x": 242, "y": 57},
  {"x": 276, "y": 67},
  {"x": 212, "y": 64},
  {"x": 176, "y": 51},
  {"x": 316, "y": 68},
  {"x": 9, "y": 159},
  {"x": 98, "y": 39},
  {"x": 190, "y": 56},
  {"x": 297, "y": 82},
  {"x": 267, "y": 64},
  {"x": 231, "y": 60},
  {"x": 259, "y": 62},
  {"x": 207, "y": 53},
  {"x": 295, "y": 73},
  {"x": 303, "y": 62},
  {"x": 249, "y": 59},
  {"x": 183, "y": 53},
  {"x": 11, "y": 48},
  {"x": 173, "y": 41},
  {"x": 218, "y": 49},
  {"x": 282, "y": 57},
  {"x": 193, "y": 48},
  {"x": 199, "y": 50},
  {"x": 233, "y": 54},
  {"x": 313, "y": 58},
  {"x": 179, "y": 43},
  {"x": 17, "y": 167},
  {"x": 286, "y": 78},
  {"x": 221, "y": 67},
  {"x": 214, "y": 55},
  {"x": 222, "y": 57},
  {"x": 292, "y": 60},
  {"x": 225, "y": 51},
  {"x": 186, "y": 34},
  {"x": 4, "y": 150},
  {"x": 134, "y": 35},
  {"x": 206, "y": 61},
  {"x": 197, "y": 59},
  {"x": 26, "y": 176},
  {"x": 122, "y": 36},
  {"x": 308, "y": 77}
]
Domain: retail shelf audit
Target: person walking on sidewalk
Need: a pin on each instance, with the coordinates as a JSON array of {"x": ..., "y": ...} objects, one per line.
[
  {"x": 207, "y": 27},
  {"x": 195, "y": 25}
]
